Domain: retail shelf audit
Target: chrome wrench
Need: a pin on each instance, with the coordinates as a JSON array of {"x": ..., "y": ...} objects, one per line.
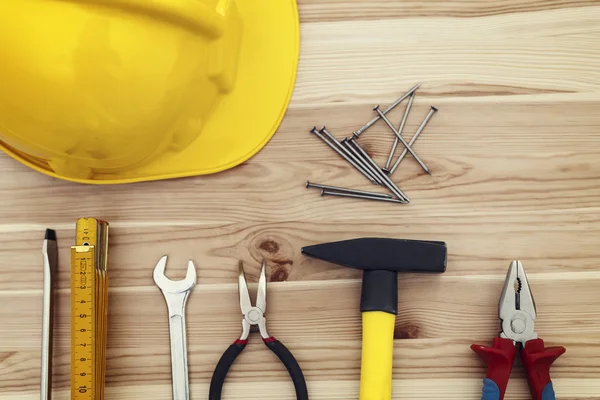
[{"x": 176, "y": 294}]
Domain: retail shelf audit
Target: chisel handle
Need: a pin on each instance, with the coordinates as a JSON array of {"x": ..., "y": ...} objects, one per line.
[{"x": 377, "y": 351}]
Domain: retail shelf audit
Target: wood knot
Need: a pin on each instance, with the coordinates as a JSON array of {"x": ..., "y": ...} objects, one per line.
[
  {"x": 280, "y": 274},
  {"x": 273, "y": 248},
  {"x": 407, "y": 332},
  {"x": 269, "y": 245}
]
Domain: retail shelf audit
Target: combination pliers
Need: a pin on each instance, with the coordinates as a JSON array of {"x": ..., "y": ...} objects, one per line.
[{"x": 517, "y": 312}]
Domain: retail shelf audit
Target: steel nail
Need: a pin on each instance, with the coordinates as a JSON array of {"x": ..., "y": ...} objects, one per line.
[
  {"x": 399, "y": 136},
  {"x": 344, "y": 190},
  {"x": 360, "y": 196},
  {"x": 414, "y": 138},
  {"x": 387, "y": 181},
  {"x": 369, "y": 167},
  {"x": 390, "y": 108},
  {"x": 388, "y": 163},
  {"x": 342, "y": 154},
  {"x": 358, "y": 161}
]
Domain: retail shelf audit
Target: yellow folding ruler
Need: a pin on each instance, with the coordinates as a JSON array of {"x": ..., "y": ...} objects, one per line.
[{"x": 89, "y": 309}]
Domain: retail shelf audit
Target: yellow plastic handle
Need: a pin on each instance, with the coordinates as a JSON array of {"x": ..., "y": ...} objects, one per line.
[{"x": 377, "y": 352}]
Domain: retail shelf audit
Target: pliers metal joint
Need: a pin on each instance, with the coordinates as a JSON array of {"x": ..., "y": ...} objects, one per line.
[
  {"x": 517, "y": 312},
  {"x": 255, "y": 316}
]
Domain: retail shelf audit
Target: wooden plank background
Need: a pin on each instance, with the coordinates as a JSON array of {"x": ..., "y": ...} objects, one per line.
[{"x": 514, "y": 153}]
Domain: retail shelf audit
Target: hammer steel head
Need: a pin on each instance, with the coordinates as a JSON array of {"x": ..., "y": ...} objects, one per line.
[
  {"x": 169, "y": 286},
  {"x": 400, "y": 255}
]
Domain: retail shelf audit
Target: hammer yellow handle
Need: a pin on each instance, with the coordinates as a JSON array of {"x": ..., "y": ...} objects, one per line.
[{"x": 377, "y": 351}]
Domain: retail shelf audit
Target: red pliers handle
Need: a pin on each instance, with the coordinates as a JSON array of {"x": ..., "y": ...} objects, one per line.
[{"x": 537, "y": 361}]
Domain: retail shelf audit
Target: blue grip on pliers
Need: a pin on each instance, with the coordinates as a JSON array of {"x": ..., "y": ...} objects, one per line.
[
  {"x": 490, "y": 390},
  {"x": 548, "y": 393}
]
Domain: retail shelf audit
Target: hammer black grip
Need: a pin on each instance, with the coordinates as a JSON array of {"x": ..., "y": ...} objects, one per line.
[{"x": 379, "y": 291}]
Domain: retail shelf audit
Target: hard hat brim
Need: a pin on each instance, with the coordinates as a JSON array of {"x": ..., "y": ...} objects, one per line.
[{"x": 246, "y": 118}]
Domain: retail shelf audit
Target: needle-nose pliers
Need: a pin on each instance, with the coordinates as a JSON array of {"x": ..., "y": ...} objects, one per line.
[
  {"x": 517, "y": 312},
  {"x": 255, "y": 315}
]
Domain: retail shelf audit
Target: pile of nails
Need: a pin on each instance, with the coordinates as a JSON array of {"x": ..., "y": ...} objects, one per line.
[{"x": 350, "y": 150}]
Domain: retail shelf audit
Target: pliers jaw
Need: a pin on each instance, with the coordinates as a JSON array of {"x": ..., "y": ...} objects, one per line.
[
  {"x": 253, "y": 315},
  {"x": 516, "y": 308}
]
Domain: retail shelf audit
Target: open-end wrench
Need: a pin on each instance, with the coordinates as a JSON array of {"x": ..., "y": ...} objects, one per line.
[{"x": 176, "y": 294}]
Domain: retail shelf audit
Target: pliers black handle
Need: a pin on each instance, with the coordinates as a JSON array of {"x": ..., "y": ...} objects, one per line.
[
  {"x": 286, "y": 357},
  {"x": 255, "y": 316}
]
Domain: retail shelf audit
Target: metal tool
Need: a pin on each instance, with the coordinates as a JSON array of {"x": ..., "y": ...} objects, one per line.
[
  {"x": 342, "y": 154},
  {"x": 387, "y": 181},
  {"x": 366, "y": 166},
  {"x": 176, "y": 294},
  {"x": 345, "y": 190},
  {"x": 373, "y": 171},
  {"x": 388, "y": 163},
  {"x": 255, "y": 316},
  {"x": 369, "y": 124},
  {"x": 357, "y": 160},
  {"x": 517, "y": 312},
  {"x": 360, "y": 196},
  {"x": 414, "y": 138},
  {"x": 399, "y": 136},
  {"x": 380, "y": 259},
  {"x": 50, "y": 257}
]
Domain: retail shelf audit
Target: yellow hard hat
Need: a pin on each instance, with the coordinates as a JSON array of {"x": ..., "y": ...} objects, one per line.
[{"x": 116, "y": 91}]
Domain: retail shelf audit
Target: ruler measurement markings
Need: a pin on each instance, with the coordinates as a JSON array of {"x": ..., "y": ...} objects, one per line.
[{"x": 83, "y": 327}]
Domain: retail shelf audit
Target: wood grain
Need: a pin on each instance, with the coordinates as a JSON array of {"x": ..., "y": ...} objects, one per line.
[{"x": 516, "y": 174}]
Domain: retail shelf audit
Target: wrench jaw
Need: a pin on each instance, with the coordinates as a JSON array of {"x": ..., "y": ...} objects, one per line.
[{"x": 167, "y": 285}]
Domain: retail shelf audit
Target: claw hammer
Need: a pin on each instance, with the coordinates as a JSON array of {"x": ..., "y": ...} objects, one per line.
[{"x": 380, "y": 259}]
